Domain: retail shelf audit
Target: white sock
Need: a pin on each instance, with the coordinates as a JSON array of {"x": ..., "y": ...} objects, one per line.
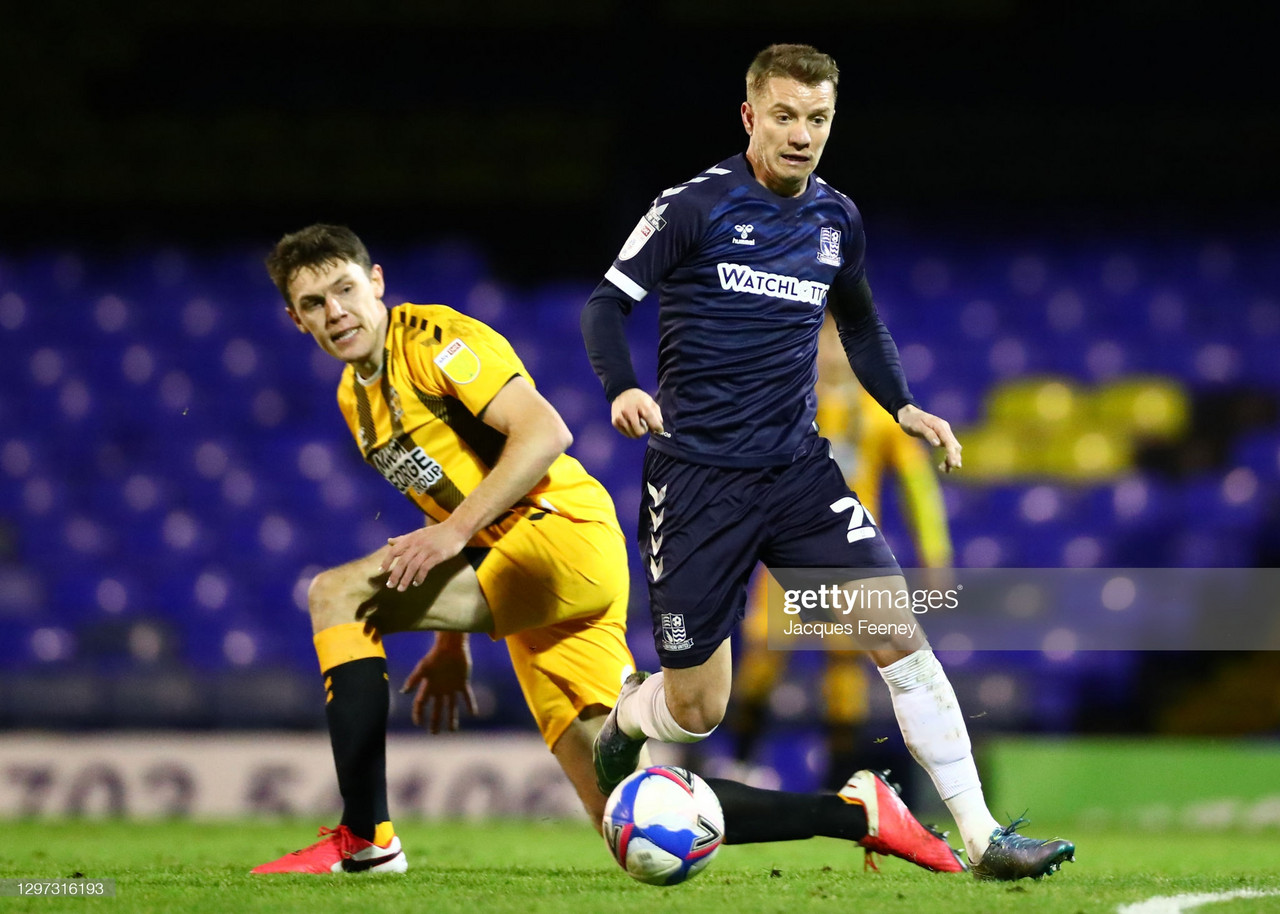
[
  {"x": 934, "y": 730},
  {"x": 644, "y": 712}
]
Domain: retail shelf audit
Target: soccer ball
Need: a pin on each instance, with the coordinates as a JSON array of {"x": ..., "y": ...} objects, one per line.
[{"x": 663, "y": 825}]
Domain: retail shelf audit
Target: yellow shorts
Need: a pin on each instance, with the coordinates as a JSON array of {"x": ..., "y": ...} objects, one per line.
[{"x": 558, "y": 592}]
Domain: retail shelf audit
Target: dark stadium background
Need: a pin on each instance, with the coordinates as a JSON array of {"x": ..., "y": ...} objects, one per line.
[
  {"x": 151, "y": 153},
  {"x": 513, "y": 123}
]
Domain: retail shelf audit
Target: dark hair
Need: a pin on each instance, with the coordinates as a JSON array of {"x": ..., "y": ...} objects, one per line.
[
  {"x": 801, "y": 62},
  {"x": 311, "y": 248}
]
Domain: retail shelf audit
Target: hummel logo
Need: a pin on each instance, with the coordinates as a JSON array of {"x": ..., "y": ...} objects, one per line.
[
  {"x": 655, "y": 518},
  {"x": 656, "y": 495},
  {"x": 655, "y": 568},
  {"x": 743, "y": 231},
  {"x": 655, "y": 543}
]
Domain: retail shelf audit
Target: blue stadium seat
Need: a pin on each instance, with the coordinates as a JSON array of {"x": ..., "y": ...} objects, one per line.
[
  {"x": 164, "y": 434},
  {"x": 1260, "y": 452}
]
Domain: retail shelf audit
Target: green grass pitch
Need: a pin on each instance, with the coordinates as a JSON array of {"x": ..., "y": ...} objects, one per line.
[{"x": 524, "y": 868}]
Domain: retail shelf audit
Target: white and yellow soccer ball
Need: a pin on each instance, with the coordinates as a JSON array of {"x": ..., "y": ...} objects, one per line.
[{"x": 663, "y": 825}]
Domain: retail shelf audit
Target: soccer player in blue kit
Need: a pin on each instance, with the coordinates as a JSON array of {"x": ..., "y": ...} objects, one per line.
[{"x": 745, "y": 257}]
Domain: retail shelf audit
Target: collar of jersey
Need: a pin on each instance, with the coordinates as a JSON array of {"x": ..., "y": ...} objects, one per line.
[{"x": 372, "y": 379}]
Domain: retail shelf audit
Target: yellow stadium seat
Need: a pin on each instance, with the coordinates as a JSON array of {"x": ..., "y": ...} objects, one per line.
[
  {"x": 1147, "y": 407},
  {"x": 992, "y": 454},
  {"x": 1050, "y": 427},
  {"x": 1050, "y": 400}
]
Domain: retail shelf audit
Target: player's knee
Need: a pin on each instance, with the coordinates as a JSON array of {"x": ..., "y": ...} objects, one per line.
[
  {"x": 697, "y": 713},
  {"x": 324, "y": 597}
]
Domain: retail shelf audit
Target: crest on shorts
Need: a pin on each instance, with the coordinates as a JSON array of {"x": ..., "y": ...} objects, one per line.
[
  {"x": 459, "y": 362},
  {"x": 829, "y": 246},
  {"x": 674, "y": 637}
]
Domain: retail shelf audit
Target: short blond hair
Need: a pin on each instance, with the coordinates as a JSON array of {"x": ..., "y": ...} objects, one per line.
[{"x": 801, "y": 62}]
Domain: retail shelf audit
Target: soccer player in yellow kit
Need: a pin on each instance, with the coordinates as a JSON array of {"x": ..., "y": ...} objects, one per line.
[
  {"x": 520, "y": 543},
  {"x": 866, "y": 439}
]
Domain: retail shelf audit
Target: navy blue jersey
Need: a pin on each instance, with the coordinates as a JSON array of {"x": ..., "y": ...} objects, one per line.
[{"x": 742, "y": 276}]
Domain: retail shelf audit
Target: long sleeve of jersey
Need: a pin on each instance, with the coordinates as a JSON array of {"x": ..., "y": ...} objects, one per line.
[
  {"x": 603, "y": 330},
  {"x": 872, "y": 353}
]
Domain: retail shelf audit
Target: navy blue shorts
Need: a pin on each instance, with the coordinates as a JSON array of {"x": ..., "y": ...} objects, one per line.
[{"x": 703, "y": 528}]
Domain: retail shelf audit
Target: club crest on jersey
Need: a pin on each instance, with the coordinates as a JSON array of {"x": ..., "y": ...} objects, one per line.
[
  {"x": 459, "y": 362},
  {"x": 649, "y": 225},
  {"x": 743, "y": 231},
  {"x": 829, "y": 246},
  {"x": 674, "y": 637}
]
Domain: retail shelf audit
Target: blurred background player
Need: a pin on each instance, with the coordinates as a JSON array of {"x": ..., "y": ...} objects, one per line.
[
  {"x": 520, "y": 543},
  {"x": 869, "y": 446}
]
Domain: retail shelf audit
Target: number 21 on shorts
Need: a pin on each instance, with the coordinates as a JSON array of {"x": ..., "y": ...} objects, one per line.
[{"x": 861, "y": 524}]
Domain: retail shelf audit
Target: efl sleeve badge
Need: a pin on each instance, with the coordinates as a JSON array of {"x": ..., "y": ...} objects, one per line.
[{"x": 459, "y": 363}]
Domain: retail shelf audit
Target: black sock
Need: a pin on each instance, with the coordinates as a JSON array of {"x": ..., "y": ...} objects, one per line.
[
  {"x": 842, "y": 758},
  {"x": 752, "y": 815},
  {"x": 746, "y": 723},
  {"x": 357, "y": 714}
]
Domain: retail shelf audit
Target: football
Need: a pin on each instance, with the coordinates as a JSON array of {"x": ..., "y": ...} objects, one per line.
[{"x": 663, "y": 825}]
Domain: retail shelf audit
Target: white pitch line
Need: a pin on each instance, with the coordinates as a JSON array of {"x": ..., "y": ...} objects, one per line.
[{"x": 1177, "y": 904}]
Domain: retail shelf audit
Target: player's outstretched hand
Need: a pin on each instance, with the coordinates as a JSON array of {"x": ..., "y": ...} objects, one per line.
[
  {"x": 635, "y": 414},
  {"x": 443, "y": 681},
  {"x": 413, "y": 555},
  {"x": 917, "y": 422}
]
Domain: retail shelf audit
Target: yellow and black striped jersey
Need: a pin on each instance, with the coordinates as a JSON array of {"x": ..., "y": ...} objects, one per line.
[{"x": 418, "y": 420}]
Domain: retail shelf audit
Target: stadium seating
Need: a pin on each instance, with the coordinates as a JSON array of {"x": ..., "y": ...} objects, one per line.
[{"x": 173, "y": 468}]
